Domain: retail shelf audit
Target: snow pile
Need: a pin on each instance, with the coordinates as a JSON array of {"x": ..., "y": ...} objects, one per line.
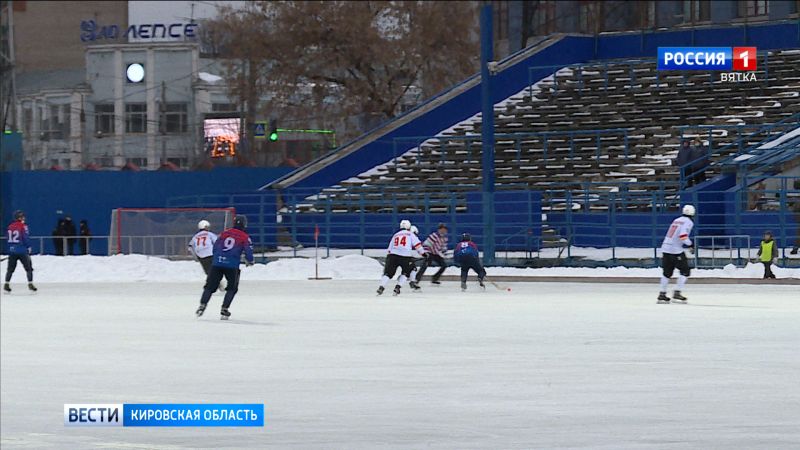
[
  {"x": 780, "y": 140},
  {"x": 139, "y": 268},
  {"x": 209, "y": 77}
]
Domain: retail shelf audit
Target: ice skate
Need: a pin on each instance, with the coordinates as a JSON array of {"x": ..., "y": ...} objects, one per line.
[
  {"x": 396, "y": 290},
  {"x": 662, "y": 298},
  {"x": 414, "y": 285},
  {"x": 676, "y": 295},
  {"x": 480, "y": 283},
  {"x": 436, "y": 282},
  {"x": 224, "y": 314},
  {"x": 32, "y": 288},
  {"x": 463, "y": 285},
  {"x": 7, "y": 287},
  {"x": 200, "y": 310},
  {"x": 380, "y": 290}
]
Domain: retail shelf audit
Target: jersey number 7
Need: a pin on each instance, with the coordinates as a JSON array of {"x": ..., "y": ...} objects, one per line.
[{"x": 672, "y": 229}]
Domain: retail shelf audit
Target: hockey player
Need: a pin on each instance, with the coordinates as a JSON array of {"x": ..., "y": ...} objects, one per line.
[
  {"x": 413, "y": 276},
  {"x": 435, "y": 246},
  {"x": 226, "y": 259},
  {"x": 673, "y": 256},
  {"x": 202, "y": 245},
  {"x": 403, "y": 246},
  {"x": 466, "y": 255},
  {"x": 19, "y": 250}
]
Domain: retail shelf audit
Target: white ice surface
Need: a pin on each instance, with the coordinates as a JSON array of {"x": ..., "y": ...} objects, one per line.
[
  {"x": 128, "y": 268},
  {"x": 547, "y": 365}
]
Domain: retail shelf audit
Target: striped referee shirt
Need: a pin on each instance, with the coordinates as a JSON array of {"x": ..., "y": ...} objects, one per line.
[{"x": 435, "y": 244}]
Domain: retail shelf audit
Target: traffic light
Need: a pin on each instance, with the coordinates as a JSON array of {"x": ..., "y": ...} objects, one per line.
[{"x": 273, "y": 130}]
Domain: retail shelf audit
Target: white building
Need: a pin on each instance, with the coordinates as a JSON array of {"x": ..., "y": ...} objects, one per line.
[{"x": 141, "y": 103}]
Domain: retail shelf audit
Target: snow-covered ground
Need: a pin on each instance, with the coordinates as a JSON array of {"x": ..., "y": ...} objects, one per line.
[
  {"x": 547, "y": 365},
  {"x": 131, "y": 268}
]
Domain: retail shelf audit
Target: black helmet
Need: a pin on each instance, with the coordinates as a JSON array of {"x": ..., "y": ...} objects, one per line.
[
  {"x": 240, "y": 222},
  {"x": 19, "y": 214},
  {"x": 466, "y": 237}
]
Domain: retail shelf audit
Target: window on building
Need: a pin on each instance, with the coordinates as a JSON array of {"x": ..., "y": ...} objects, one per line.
[
  {"x": 136, "y": 117},
  {"x": 27, "y": 121},
  {"x": 753, "y": 8},
  {"x": 544, "y": 17},
  {"x": 104, "y": 161},
  {"x": 647, "y": 12},
  {"x": 66, "y": 120},
  {"x": 176, "y": 118},
  {"x": 54, "y": 130},
  {"x": 500, "y": 13},
  {"x": 104, "y": 118},
  {"x": 139, "y": 162},
  {"x": 223, "y": 107},
  {"x": 180, "y": 162},
  {"x": 43, "y": 125},
  {"x": 696, "y": 11}
]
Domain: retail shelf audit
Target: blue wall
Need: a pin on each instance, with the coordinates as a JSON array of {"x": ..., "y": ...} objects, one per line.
[{"x": 92, "y": 195}]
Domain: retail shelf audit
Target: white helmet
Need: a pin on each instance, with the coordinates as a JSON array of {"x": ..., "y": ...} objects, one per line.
[
  {"x": 203, "y": 225},
  {"x": 688, "y": 210},
  {"x": 405, "y": 224},
  {"x": 414, "y": 229}
]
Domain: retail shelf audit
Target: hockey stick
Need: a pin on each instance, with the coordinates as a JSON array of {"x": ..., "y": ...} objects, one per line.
[
  {"x": 499, "y": 288},
  {"x": 3, "y": 258}
]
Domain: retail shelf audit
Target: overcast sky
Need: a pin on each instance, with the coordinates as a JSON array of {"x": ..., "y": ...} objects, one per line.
[{"x": 150, "y": 12}]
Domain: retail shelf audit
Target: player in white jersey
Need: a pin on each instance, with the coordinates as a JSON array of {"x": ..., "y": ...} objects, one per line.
[
  {"x": 403, "y": 247},
  {"x": 202, "y": 246},
  {"x": 672, "y": 255}
]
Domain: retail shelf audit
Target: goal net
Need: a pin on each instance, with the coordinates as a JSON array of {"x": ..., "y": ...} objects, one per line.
[{"x": 161, "y": 231}]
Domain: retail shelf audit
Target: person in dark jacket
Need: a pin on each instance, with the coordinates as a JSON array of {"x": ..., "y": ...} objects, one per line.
[
  {"x": 58, "y": 237},
  {"x": 85, "y": 237},
  {"x": 70, "y": 231},
  {"x": 699, "y": 158},
  {"x": 685, "y": 157}
]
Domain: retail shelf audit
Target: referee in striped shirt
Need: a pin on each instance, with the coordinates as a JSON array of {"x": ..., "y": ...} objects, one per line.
[{"x": 435, "y": 248}]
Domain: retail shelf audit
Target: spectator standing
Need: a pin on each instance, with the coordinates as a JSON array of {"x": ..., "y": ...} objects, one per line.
[
  {"x": 85, "y": 237},
  {"x": 685, "y": 157},
  {"x": 699, "y": 158},
  {"x": 70, "y": 231},
  {"x": 58, "y": 237}
]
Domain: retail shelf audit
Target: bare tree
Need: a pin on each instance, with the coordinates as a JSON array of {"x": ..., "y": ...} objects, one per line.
[{"x": 330, "y": 62}]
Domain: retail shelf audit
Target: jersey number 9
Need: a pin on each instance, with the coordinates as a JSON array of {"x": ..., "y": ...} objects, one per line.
[{"x": 228, "y": 244}]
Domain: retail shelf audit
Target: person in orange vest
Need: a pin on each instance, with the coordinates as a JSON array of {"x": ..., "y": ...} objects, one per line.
[{"x": 767, "y": 254}]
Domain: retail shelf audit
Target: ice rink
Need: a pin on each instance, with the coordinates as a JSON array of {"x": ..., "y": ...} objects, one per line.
[{"x": 548, "y": 365}]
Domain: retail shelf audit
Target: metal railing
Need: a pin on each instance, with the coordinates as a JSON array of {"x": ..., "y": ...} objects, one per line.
[
  {"x": 712, "y": 254},
  {"x": 736, "y": 148},
  {"x": 155, "y": 245}
]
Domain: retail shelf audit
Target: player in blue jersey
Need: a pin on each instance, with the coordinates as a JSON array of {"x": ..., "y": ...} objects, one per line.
[
  {"x": 227, "y": 256},
  {"x": 19, "y": 250},
  {"x": 467, "y": 257}
]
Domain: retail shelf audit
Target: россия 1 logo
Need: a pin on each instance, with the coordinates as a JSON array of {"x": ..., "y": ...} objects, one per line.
[{"x": 740, "y": 63}]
